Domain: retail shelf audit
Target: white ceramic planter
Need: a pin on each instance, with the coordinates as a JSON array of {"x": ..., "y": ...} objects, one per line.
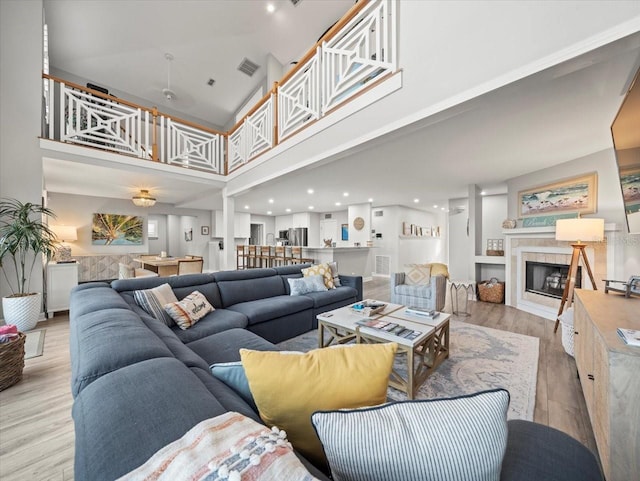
[{"x": 22, "y": 311}]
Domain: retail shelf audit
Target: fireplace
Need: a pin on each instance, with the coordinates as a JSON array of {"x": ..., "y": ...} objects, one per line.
[{"x": 548, "y": 279}]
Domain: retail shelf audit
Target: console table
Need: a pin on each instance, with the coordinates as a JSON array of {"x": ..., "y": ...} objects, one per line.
[
  {"x": 61, "y": 278},
  {"x": 608, "y": 370}
]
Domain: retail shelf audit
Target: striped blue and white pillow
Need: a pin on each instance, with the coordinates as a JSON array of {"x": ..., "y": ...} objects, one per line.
[
  {"x": 454, "y": 439},
  {"x": 154, "y": 300}
]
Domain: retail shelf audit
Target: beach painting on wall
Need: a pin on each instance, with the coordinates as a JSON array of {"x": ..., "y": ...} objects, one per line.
[
  {"x": 576, "y": 195},
  {"x": 116, "y": 230},
  {"x": 630, "y": 182}
]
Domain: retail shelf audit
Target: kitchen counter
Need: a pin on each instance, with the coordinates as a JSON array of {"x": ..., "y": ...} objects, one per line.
[{"x": 351, "y": 260}]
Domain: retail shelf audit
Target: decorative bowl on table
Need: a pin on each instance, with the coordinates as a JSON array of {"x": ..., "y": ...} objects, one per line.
[{"x": 368, "y": 308}]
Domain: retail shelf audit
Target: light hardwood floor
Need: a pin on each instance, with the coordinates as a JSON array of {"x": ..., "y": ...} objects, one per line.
[{"x": 36, "y": 430}]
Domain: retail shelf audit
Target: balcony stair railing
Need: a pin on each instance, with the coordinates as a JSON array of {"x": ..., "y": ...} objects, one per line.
[{"x": 357, "y": 53}]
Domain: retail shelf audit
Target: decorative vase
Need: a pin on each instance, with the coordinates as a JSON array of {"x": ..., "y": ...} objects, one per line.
[{"x": 22, "y": 311}]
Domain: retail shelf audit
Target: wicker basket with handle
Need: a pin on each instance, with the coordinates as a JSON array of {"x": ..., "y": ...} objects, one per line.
[
  {"x": 11, "y": 361},
  {"x": 491, "y": 291}
]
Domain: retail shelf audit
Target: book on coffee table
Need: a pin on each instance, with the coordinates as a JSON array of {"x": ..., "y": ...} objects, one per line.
[
  {"x": 631, "y": 337},
  {"x": 389, "y": 328},
  {"x": 421, "y": 311}
]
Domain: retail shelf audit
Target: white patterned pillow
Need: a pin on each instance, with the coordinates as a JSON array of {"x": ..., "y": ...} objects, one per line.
[
  {"x": 456, "y": 439},
  {"x": 154, "y": 300},
  {"x": 189, "y": 310},
  {"x": 333, "y": 265},
  {"x": 305, "y": 285},
  {"x": 230, "y": 447},
  {"x": 417, "y": 274}
]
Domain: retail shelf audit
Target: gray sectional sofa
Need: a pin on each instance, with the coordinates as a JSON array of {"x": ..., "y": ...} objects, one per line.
[{"x": 138, "y": 384}]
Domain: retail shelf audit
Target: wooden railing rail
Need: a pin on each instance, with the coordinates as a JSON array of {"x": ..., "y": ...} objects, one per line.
[{"x": 355, "y": 54}]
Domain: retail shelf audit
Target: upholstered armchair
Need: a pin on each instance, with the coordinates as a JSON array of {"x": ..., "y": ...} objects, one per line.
[
  {"x": 128, "y": 272},
  {"x": 430, "y": 294}
]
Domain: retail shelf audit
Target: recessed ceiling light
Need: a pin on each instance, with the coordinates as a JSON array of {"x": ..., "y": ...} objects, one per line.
[
  {"x": 442, "y": 208},
  {"x": 311, "y": 207},
  {"x": 288, "y": 210},
  {"x": 270, "y": 201},
  {"x": 246, "y": 206},
  {"x": 435, "y": 206},
  {"x": 370, "y": 199},
  {"x": 271, "y": 7},
  {"x": 269, "y": 212},
  {"x": 346, "y": 194},
  {"x": 338, "y": 203},
  {"x": 309, "y": 191},
  {"x": 483, "y": 193},
  {"x": 416, "y": 200}
]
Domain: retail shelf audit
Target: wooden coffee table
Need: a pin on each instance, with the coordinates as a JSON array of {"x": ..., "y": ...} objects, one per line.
[{"x": 423, "y": 354}]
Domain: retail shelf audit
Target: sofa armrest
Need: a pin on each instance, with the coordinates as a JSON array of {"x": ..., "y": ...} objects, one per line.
[
  {"x": 352, "y": 281},
  {"x": 535, "y": 451}
]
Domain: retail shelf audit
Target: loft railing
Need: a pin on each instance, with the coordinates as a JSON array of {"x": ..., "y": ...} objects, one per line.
[{"x": 358, "y": 52}]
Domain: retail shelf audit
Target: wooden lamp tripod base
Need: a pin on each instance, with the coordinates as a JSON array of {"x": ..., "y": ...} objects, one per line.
[{"x": 567, "y": 295}]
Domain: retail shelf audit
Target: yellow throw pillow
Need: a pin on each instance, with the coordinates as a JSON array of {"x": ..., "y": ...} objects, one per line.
[
  {"x": 289, "y": 386},
  {"x": 321, "y": 269},
  {"x": 438, "y": 269},
  {"x": 417, "y": 274}
]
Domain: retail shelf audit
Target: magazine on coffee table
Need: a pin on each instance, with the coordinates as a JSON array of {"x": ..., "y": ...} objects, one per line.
[
  {"x": 421, "y": 311},
  {"x": 631, "y": 337},
  {"x": 389, "y": 328}
]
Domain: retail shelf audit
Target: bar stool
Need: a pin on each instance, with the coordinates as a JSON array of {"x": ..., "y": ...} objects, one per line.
[
  {"x": 279, "y": 256},
  {"x": 296, "y": 256},
  {"x": 252, "y": 260},
  {"x": 263, "y": 255},
  {"x": 241, "y": 257}
]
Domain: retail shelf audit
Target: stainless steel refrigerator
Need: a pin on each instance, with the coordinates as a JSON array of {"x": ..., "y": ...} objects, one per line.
[{"x": 298, "y": 236}]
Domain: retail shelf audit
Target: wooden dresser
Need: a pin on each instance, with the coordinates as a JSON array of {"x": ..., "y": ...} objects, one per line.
[{"x": 610, "y": 376}]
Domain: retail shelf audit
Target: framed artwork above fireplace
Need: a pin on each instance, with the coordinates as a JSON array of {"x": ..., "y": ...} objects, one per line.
[{"x": 575, "y": 195}]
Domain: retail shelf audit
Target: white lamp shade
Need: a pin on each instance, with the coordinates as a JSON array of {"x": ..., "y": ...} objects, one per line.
[
  {"x": 65, "y": 233},
  {"x": 590, "y": 230}
]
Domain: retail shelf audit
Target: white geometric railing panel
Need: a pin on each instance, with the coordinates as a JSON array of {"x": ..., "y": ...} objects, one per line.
[
  {"x": 97, "y": 122},
  {"x": 190, "y": 147},
  {"x": 365, "y": 49},
  {"x": 259, "y": 130},
  {"x": 236, "y": 148},
  {"x": 299, "y": 98}
]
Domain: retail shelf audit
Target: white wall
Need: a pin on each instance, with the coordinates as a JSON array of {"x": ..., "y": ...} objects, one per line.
[
  {"x": 20, "y": 104},
  {"x": 340, "y": 217},
  {"x": 160, "y": 244},
  {"x": 494, "y": 211},
  {"x": 609, "y": 206}
]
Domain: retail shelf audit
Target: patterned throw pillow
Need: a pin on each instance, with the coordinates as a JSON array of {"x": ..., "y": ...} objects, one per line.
[
  {"x": 339, "y": 377},
  {"x": 189, "y": 310},
  {"x": 456, "y": 439},
  {"x": 321, "y": 269},
  {"x": 417, "y": 274},
  {"x": 304, "y": 285},
  {"x": 231, "y": 447},
  {"x": 154, "y": 300}
]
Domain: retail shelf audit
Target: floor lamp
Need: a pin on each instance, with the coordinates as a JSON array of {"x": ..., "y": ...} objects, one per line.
[{"x": 577, "y": 230}]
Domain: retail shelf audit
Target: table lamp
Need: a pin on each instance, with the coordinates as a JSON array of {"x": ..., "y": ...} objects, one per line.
[
  {"x": 577, "y": 231},
  {"x": 64, "y": 233}
]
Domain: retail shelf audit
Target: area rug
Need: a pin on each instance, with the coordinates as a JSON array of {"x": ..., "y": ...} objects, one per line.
[
  {"x": 481, "y": 358},
  {"x": 34, "y": 344}
]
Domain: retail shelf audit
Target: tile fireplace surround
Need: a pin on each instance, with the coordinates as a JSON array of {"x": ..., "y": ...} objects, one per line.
[{"x": 538, "y": 244}]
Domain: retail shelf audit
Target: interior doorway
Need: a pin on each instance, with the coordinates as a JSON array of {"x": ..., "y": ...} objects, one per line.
[{"x": 257, "y": 235}]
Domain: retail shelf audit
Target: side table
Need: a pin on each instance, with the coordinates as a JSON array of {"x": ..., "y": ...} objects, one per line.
[{"x": 468, "y": 288}]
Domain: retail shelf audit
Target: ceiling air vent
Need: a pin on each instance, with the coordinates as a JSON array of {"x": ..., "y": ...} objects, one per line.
[
  {"x": 248, "y": 67},
  {"x": 328, "y": 216},
  {"x": 378, "y": 213},
  {"x": 295, "y": 2}
]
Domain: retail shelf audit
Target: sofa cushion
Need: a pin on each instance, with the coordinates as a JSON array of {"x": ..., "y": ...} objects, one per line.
[
  {"x": 461, "y": 438},
  {"x": 291, "y": 269},
  {"x": 129, "y": 342},
  {"x": 123, "y": 418},
  {"x": 288, "y": 387},
  {"x": 213, "y": 323},
  {"x": 250, "y": 289},
  {"x": 154, "y": 300},
  {"x": 233, "y": 375},
  {"x": 215, "y": 449},
  {"x": 414, "y": 291},
  {"x": 305, "y": 285},
  {"x": 225, "y": 346},
  {"x": 339, "y": 294},
  {"x": 263, "y": 310},
  {"x": 189, "y": 310}
]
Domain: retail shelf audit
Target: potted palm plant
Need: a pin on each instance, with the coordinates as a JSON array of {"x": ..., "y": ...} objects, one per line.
[{"x": 23, "y": 236}]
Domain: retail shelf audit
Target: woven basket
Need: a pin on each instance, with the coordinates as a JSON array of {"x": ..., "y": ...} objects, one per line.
[
  {"x": 11, "y": 361},
  {"x": 491, "y": 291}
]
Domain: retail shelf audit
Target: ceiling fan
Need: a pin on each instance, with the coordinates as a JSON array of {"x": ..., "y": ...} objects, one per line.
[{"x": 167, "y": 92}]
